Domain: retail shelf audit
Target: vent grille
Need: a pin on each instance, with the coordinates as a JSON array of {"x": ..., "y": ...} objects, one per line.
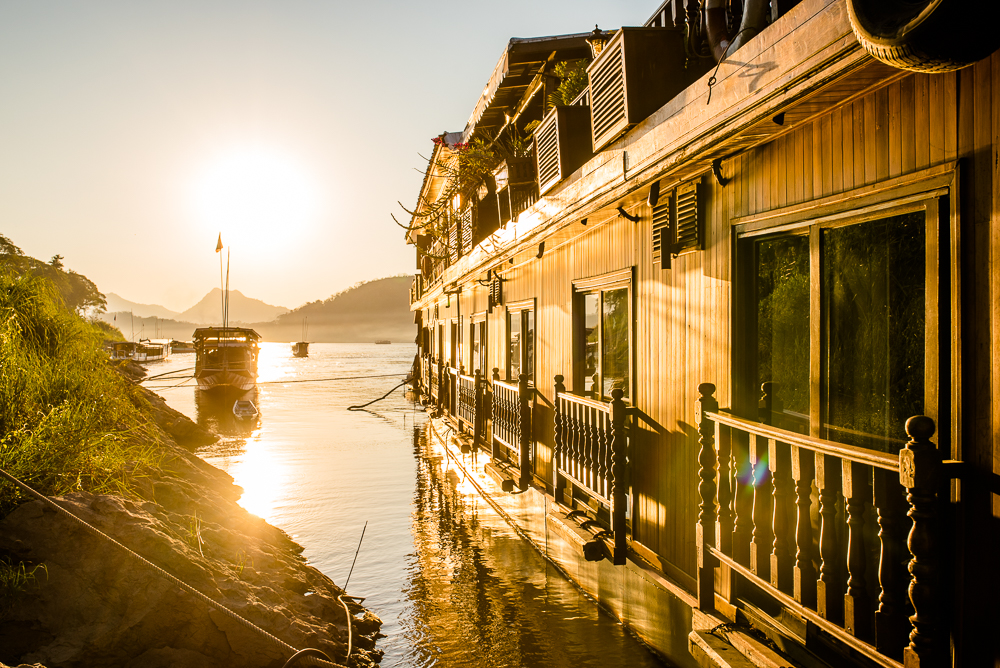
[
  {"x": 688, "y": 237},
  {"x": 661, "y": 233},
  {"x": 607, "y": 94},
  {"x": 547, "y": 141}
]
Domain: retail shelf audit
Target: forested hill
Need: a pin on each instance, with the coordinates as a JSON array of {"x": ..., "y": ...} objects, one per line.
[
  {"x": 77, "y": 291},
  {"x": 366, "y": 312}
]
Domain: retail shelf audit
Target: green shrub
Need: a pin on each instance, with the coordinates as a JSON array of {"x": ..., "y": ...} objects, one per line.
[{"x": 67, "y": 419}]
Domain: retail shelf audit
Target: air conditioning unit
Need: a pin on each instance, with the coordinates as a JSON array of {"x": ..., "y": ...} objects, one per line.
[
  {"x": 638, "y": 72},
  {"x": 562, "y": 144}
]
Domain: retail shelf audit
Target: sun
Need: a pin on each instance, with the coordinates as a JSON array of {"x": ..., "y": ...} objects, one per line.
[{"x": 257, "y": 197}]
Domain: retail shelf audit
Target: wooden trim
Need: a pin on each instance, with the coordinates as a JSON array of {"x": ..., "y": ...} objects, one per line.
[
  {"x": 615, "y": 279},
  {"x": 912, "y": 187},
  {"x": 522, "y": 305},
  {"x": 846, "y": 452}
]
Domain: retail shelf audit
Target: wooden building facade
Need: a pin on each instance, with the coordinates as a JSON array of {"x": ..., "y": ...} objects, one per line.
[{"x": 705, "y": 331}]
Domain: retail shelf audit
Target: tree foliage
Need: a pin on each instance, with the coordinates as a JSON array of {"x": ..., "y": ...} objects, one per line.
[{"x": 77, "y": 291}]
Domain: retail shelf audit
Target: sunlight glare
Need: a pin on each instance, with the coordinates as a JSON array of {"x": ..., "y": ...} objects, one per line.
[{"x": 256, "y": 197}]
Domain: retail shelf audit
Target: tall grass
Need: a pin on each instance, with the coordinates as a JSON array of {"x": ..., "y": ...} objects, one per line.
[{"x": 68, "y": 421}]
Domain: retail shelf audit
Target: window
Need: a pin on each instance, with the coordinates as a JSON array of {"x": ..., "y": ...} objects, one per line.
[
  {"x": 844, "y": 312},
  {"x": 603, "y": 359},
  {"x": 521, "y": 340},
  {"x": 477, "y": 337}
]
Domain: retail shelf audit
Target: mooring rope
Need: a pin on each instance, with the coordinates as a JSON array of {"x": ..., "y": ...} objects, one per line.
[
  {"x": 185, "y": 586},
  {"x": 359, "y": 407},
  {"x": 300, "y": 380}
]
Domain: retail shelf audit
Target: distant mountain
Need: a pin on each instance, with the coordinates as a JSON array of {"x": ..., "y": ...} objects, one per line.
[
  {"x": 120, "y": 304},
  {"x": 366, "y": 312},
  {"x": 242, "y": 309}
]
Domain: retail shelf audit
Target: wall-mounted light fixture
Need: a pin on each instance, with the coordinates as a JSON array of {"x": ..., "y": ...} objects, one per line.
[
  {"x": 626, "y": 215},
  {"x": 654, "y": 194},
  {"x": 541, "y": 249}
]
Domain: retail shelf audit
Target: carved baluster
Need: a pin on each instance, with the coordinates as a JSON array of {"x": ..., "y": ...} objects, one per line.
[
  {"x": 919, "y": 472},
  {"x": 724, "y": 527},
  {"x": 558, "y": 431},
  {"x": 890, "y": 626},
  {"x": 602, "y": 481},
  {"x": 857, "y": 603},
  {"x": 590, "y": 446},
  {"x": 804, "y": 574},
  {"x": 705, "y": 530},
  {"x": 496, "y": 373},
  {"x": 743, "y": 502},
  {"x": 780, "y": 464},
  {"x": 829, "y": 589},
  {"x": 619, "y": 479},
  {"x": 763, "y": 501}
]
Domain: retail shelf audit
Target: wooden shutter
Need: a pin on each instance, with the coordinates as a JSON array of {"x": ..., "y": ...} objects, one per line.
[
  {"x": 687, "y": 235},
  {"x": 662, "y": 232}
]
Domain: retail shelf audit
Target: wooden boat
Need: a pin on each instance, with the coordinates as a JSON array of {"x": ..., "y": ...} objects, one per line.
[
  {"x": 121, "y": 350},
  {"x": 244, "y": 408},
  {"x": 300, "y": 349},
  {"x": 226, "y": 358},
  {"x": 383, "y": 342},
  {"x": 151, "y": 351}
]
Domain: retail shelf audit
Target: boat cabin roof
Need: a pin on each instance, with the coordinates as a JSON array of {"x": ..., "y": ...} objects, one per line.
[{"x": 237, "y": 333}]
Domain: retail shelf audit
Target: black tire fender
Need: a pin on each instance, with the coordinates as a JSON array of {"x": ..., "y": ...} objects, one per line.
[{"x": 925, "y": 35}]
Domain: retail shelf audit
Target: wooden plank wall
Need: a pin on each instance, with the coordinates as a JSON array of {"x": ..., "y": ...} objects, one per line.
[{"x": 683, "y": 315}]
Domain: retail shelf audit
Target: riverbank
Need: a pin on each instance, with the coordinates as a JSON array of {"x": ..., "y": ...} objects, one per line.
[{"x": 82, "y": 602}]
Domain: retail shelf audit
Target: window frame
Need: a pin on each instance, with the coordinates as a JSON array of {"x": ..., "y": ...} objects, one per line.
[
  {"x": 934, "y": 192},
  {"x": 616, "y": 280},
  {"x": 478, "y": 320},
  {"x": 520, "y": 309}
]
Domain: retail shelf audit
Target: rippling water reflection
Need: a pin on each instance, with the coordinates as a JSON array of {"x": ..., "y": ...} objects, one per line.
[{"x": 454, "y": 585}]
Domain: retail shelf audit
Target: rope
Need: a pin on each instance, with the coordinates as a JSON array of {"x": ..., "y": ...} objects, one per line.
[
  {"x": 170, "y": 578},
  {"x": 359, "y": 407},
  {"x": 303, "y": 380}
]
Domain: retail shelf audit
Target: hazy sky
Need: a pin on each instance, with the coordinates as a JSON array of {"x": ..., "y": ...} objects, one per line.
[{"x": 133, "y": 132}]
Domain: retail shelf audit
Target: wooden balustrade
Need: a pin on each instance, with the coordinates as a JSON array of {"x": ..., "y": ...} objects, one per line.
[
  {"x": 591, "y": 452},
  {"x": 511, "y": 414},
  {"x": 434, "y": 373},
  {"x": 830, "y": 579},
  {"x": 471, "y": 405}
]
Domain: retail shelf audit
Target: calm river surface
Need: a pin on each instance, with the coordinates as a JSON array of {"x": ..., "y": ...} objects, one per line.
[{"x": 452, "y": 582}]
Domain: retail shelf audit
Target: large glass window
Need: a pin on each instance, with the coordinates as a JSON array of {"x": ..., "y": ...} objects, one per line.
[
  {"x": 477, "y": 335},
  {"x": 867, "y": 282},
  {"x": 605, "y": 358}
]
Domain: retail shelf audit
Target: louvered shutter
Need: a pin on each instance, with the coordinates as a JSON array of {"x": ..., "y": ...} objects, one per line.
[
  {"x": 688, "y": 226},
  {"x": 607, "y": 95},
  {"x": 662, "y": 237},
  {"x": 466, "y": 231},
  {"x": 547, "y": 150}
]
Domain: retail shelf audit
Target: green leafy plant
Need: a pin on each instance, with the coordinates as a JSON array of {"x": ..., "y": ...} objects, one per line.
[
  {"x": 15, "y": 579},
  {"x": 574, "y": 79}
]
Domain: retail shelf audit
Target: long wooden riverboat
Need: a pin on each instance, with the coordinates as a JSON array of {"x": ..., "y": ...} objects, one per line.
[
  {"x": 226, "y": 358},
  {"x": 729, "y": 323}
]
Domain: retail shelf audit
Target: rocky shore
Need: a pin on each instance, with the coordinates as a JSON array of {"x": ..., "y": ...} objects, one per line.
[{"x": 92, "y": 605}]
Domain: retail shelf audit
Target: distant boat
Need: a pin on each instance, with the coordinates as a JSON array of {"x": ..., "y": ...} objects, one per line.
[
  {"x": 244, "y": 408},
  {"x": 226, "y": 358},
  {"x": 151, "y": 351},
  {"x": 181, "y": 346},
  {"x": 383, "y": 342},
  {"x": 301, "y": 348},
  {"x": 121, "y": 350}
]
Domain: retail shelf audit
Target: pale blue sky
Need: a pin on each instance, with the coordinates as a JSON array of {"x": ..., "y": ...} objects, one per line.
[{"x": 121, "y": 124}]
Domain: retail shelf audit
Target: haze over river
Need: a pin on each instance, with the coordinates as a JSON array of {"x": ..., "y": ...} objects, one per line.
[{"x": 452, "y": 582}]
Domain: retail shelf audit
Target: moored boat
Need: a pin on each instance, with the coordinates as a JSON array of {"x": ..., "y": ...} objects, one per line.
[
  {"x": 226, "y": 358},
  {"x": 300, "y": 349},
  {"x": 244, "y": 408},
  {"x": 151, "y": 351}
]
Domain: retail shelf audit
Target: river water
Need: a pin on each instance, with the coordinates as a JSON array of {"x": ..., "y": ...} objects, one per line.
[{"x": 451, "y": 581}]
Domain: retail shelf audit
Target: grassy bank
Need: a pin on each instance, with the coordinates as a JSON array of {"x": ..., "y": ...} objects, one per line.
[{"x": 68, "y": 420}]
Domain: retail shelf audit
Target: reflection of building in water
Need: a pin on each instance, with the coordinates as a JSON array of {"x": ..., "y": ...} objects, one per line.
[{"x": 484, "y": 597}]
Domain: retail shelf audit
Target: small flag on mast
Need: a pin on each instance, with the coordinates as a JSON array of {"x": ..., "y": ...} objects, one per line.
[{"x": 218, "y": 246}]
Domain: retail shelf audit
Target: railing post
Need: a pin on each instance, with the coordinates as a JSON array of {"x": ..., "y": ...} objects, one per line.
[
  {"x": 493, "y": 445},
  {"x": 441, "y": 386},
  {"x": 619, "y": 481},
  {"x": 705, "y": 530},
  {"x": 477, "y": 408},
  {"x": 524, "y": 430},
  {"x": 558, "y": 425},
  {"x": 919, "y": 472}
]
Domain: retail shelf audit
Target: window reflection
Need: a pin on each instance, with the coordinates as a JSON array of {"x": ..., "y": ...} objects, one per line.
[{"x": 614, "y": 325}]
